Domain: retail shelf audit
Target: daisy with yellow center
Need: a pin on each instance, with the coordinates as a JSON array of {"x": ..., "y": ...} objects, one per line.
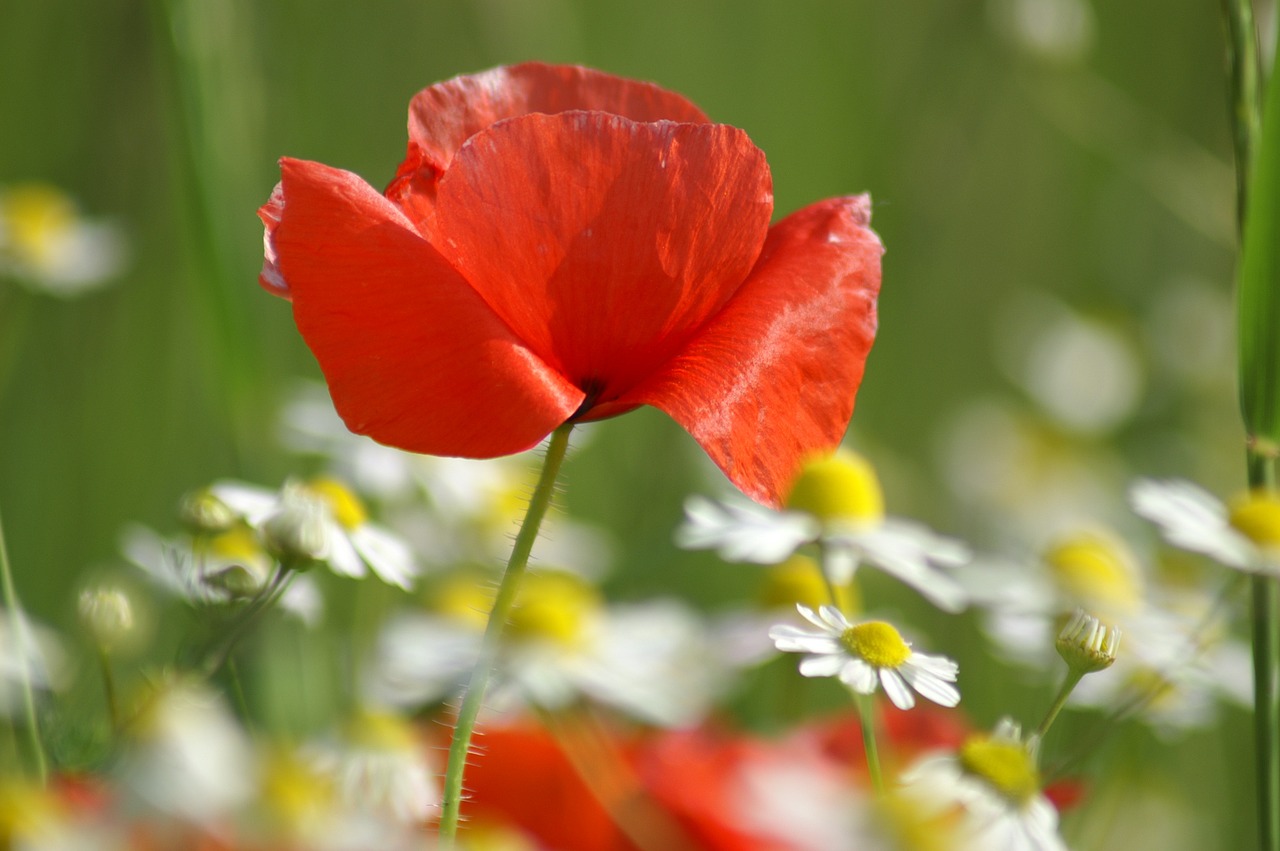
[
  {"x": 327, "y": 520},
  {"x": 45, "y": 242},
  {"x": 1244, "y": 535},
  {"x": 864, "y": 654},
  {"x": 836, "y": 502},
  {"x": 992, "y": 788}
]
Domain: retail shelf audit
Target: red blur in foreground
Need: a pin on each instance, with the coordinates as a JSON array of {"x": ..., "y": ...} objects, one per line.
[{"x": 559, "y": 244}]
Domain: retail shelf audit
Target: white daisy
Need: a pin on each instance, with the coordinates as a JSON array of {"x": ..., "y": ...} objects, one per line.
[
  {"x": 354, "y": 544},
  {"x": 46, "y": 243},
  {"x": 1245, "y": 535},
  {"x": 862, "y": 654},
  {"x": 992, "y": 785},
  {"x": 836, "y": 503},
  {"x": 652, "y": 660},
  {"x": 30, "y": 653}
]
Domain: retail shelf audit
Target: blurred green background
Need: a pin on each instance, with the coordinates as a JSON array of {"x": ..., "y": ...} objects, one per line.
[{"x": 1014, "y": 148}]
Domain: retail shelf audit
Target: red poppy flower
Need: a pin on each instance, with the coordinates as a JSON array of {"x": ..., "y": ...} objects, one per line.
[{"x": 563, "y": 244}]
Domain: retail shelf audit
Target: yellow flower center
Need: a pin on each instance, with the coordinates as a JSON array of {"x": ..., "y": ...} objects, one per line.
[
  {"x": 381, "y": 731},
  {"x": 35, "y": 216},
  {"x": 465, "y": 596},
  {"x": 1096, "y": 570},
  {"x": 346, "y": 507},
  {"x": 909, "y": 826},
  {"x": 877, "y": 643},
  {"x": 1004, "y": 765},
  {"x": 842, "y": 486},
  {"x": 25, "y": 811},
  {"x": 553, "y": 607},
  {"x": 236, "y": 544},
  {"x": 294, "y": 791},
  {"x": 1257, "y": 516},
  {"x": 798, "y": 580}
]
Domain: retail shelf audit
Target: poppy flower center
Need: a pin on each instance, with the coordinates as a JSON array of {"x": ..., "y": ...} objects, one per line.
[{"x": 877, "y": 643}]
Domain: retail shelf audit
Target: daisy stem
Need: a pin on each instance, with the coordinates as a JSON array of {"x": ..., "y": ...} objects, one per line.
[
  {"x": 20, "y": 635},
  {"x": 867, "y": 722},
  {"x": 1074, "y": 676},
  {"x": 460, "y": 747},
  {"x": 1265, "y": 611},
  {"x": 109, "y": 687}
]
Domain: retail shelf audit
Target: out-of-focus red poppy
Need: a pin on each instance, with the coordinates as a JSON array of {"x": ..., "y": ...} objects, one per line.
[{"x": 564, "y": 244}]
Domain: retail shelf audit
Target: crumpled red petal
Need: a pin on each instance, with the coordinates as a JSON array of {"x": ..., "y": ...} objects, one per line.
[
  {"x": 270, "y": 278},
  {"x": 603, "y": 243},
  {"x": 443, "y": 116},
  {"x": 772, "y": 378},
  {"x": 412, "y": 355}
]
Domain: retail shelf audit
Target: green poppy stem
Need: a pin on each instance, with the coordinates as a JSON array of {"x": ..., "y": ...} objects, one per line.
[
  {"x": 20, "y": 637},
  {"x": 460, "y": 748}
]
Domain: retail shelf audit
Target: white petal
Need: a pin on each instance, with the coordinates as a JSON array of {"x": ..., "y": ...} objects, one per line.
[
  {"x": 742, "y": 531},
  {"x": 859, "y": 676},
  {"x": 930, "y": 686},
  {"x": 896, "y": 689},
  {"x": 390, "y": 557},
  {"x": 825, "y": 665},
  {"x": 255, "y": 504}
]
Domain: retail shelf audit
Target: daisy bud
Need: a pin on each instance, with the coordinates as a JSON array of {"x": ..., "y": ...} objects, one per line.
[
  {"x": 297, "y": 534},
  {"x": 107, "y": 615},
  {"x": 204, "y": 514},
  {"x": 238, "y": 581},
  {"x": 1086, "y": 644},
  {"x": 840, "y": 487}
]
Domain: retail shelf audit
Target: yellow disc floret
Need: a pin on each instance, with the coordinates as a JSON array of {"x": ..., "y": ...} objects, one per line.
[
  {"x": 796, "y": 580},
  {"x": 554, "y": 607},
  {"x": 36, "y": 217},
  {"x": 1096, "y": 569},
  {"x": 839, "y": 487},
  {"x": 877, "y": 643},
  {"x": 347, "y": 508},
  {"x": 1006, "y": 766},
  {"x": 1257, "y": 516}
]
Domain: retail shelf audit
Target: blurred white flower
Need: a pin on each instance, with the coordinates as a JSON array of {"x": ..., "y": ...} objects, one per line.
[
  {"x": 380, "y": 767},
  {"x": 351, "y": 543},
  {"x": 862, "y": 654},
  {"x": 216, "y": 569},
  {"x": 1056, "y": 30},
  {"x": 45, "y": 243},
  {"x": 29, "y": 653},
  {"x": 992, "y": 786},
  {"x": 188, "y": 757},
  {"x": 1245, "y": 536},
  {"x": 654, "y": 660}
]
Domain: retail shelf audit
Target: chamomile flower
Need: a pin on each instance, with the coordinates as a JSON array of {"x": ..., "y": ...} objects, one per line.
[
  {"x": 47, "y": 244},
  {"x": 837, "y": 503},
  {"x": 653, "y": 660},
  {"x": 991, "y": 784},
  {"x": 30, "y": 653},
  {"x": 347, "y": 540},
  {"x": 1244, "y": 535},
  {"x": 862, "y": 654},
  {"x": 379, "y": 766}
]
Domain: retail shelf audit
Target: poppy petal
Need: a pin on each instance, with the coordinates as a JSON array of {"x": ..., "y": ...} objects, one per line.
[
  {"x": 442, "y": 117},
  {"x": 270, "y": 278},
  {"x": 772, "y": 378},
  {"x": 412, "y": 355},
  {"x": 601, "y": 242}
]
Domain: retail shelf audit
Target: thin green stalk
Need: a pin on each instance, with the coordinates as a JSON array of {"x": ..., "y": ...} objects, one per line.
[
  {"x": 1068, "y": 685},
  {"x": 460, "y": 748},
  {"x": 109, "y": 688},
  {"x": 265, "y": 600},
  {"x": 867, "y": 723},
  {"x": 1245, "y": 87},
  {"x": 1265, "y": 613},
  {"x": 17, "y": 624}
]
